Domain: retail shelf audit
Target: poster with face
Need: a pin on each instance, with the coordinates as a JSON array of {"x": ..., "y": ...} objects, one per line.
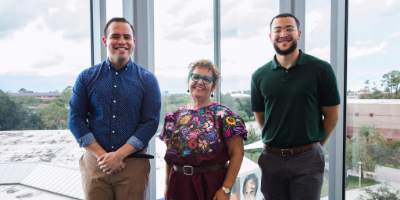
[{"x": 250, "y": 186}]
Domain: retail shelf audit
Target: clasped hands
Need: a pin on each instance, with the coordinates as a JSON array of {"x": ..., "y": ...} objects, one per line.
[{"x": 111, "y": 163}]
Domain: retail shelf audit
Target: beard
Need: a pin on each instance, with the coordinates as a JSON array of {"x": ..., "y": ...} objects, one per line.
[{"x": 292, "y": 47}]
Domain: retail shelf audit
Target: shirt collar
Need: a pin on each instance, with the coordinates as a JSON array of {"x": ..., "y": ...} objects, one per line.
[
  {"x": 128, "y": 65},
  {"x": 300, "y": 61}
]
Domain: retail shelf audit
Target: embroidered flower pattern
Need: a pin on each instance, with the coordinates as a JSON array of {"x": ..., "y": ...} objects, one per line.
[
  {"x": 195, "y": 131},
  {"x": 230, "y": 120},
  {"x": 184, "y": 120},
  {"x": 208, "y": 125},
  {"x": 203, "y": 144},
  {"x": 169, "y": 125},
  {"x": 192, "y": 144}
]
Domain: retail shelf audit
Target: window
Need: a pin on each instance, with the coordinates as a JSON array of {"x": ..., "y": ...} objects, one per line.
[
  {"x": 367, "y": 49},
  {"x": 356, "y": 114},
  {"x": 48, "y": 45}
]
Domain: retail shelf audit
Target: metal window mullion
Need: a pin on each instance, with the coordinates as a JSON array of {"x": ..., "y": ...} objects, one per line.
[
  {"x": 338, "y": 56},
  {"x": 217, "y": 43},
  {"x": 98, "y": 21}
]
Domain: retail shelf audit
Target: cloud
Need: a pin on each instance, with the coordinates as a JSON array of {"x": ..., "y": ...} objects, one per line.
[
  {"x": 40, "y": 51},
  {"x": 176, "y": 7},
  {"x": 57, "y": 15},
  {"x": 54, "y": 61},
  {"x": 393, "y": 35},
  {"x": 358, "y": 42},
  {"x": 357, "y": 52},
  {"x": 321, "y": 53},
  {"x": 314, "y": 19}
]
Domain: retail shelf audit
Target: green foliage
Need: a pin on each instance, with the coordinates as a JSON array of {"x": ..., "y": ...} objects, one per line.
[
  {"x": 382, "y": 193},
  {"x": 66, "y": 95},
  {"x": 363, "y": 149},
  {"x": 354, "y": 181},
  {"x": 14, "y": 116},
  {"x": 392, "y": 81},
  {"x": 252, "y": 137},
  {"x": 23, "y": 90},
  {"x": 56, "y": 115}
]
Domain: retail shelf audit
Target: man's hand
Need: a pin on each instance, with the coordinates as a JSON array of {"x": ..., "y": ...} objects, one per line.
[
  {"x": 220, "y": 195},
  {"x": 111, "y": 163}
]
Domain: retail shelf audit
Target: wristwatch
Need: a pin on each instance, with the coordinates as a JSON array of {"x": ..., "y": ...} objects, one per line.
[{"x": 226, "y": 190}]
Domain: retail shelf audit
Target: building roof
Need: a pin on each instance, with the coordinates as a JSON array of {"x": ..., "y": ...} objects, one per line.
[
  {"x": 373, "y": 101},
  {"x": 12, "y": 173},
  {"x": 34, "y": 94},
  {"x": 52, "y": 178}
]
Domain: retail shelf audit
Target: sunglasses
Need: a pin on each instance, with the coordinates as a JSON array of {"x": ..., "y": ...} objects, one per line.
[{"x": 206, "y": 79}]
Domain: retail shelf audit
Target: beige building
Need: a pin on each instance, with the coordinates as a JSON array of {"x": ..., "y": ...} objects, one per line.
[{"x": 383, "y": 113}]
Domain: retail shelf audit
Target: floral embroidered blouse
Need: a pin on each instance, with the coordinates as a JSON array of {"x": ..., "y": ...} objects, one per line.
[{"x": 196, "y": 138}]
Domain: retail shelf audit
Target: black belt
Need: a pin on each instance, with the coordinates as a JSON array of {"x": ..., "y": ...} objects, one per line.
[
  {"x": 137, "y": 154},
  {"x": 190, "y": 170},
  {"x": 291, "y": 151}
]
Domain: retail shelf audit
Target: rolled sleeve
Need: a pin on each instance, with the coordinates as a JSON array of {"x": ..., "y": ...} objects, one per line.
[
  {"x": 86, "y": 140},
  {"x": 135, "y": 142}
]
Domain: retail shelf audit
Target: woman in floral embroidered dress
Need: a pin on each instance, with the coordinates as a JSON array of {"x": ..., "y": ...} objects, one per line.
[{"x": 201, "y": 137}]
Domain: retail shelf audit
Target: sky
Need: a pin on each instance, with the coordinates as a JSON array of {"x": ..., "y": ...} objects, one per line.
[{"x": 47, "y": 43}]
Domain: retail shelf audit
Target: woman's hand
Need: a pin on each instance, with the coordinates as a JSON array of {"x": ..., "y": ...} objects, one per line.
[{"x": 220, "y": 195}]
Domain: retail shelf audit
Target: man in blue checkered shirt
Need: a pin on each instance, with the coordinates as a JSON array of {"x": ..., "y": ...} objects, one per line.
[{"x": 114, "y": 112}]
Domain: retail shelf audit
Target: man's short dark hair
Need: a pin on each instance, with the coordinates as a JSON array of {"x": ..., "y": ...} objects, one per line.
[
  {"x": 285, "y": 15},
  {"x": 249, "y": 177},
  {"x": 118, "y": 19}
]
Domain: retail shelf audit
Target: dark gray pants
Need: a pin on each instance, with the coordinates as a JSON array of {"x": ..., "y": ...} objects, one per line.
[{"x": 297, "y": 177}]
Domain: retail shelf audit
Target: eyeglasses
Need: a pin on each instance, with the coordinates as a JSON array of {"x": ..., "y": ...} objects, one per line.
[
  {"x": 196, "y": 78},
  {"x": 288, "y": 30}
]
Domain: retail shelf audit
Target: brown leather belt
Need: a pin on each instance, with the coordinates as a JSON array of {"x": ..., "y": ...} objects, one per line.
[
  {"x": 190, "y": 170},
  {"x": 291, "y": 151}
]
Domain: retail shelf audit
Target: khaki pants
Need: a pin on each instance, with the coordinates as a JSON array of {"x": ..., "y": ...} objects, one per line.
[{"x": 130, "y": 183}]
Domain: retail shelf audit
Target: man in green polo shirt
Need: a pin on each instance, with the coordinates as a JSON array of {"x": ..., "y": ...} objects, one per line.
[{"x": 295, "y": 101}]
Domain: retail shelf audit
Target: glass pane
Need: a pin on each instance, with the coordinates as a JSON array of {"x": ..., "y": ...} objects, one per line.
[
  {"x": 183, "y": 33},
  {"x": 317, "y": 35},
  {"x": 373, "y": 105},
  {"x": 245, "y": 46},
  {"x": 46, "y": 44}
]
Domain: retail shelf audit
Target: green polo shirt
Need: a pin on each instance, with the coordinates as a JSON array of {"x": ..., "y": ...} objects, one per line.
[{"x": 291, "y": 99}]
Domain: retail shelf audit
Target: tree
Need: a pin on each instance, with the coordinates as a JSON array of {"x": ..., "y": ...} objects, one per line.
[
  {"x": 56, "y": 115},
  {"x": 252, "y": 137},
  {"x": 66, "y": 95},
  {"x": 11, "y": 113},
  {"x": 22, "y": 90},
  {"x": 363, "y": 149},
  {"x": 367, "y": 86},
  {"x": 382, "y": 193},
  {"x": 392, "y": 80}
]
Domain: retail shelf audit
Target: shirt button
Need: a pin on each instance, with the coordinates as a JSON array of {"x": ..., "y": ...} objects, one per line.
[
  {"x": 115, "y": 101},
  {"x": 113, "y": 116},
  {"x": 112, "y": 147},
  {"x": 116, "y": 73},
  {"x": 126, "y": 68},
  {"x": 115, "y": 85},
  {"x": 113, "y": 131},
  {"x": 287, "y": 71}
]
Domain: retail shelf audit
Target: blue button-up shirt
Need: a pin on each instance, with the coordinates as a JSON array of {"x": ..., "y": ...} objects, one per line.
[{"x": 115, "y": 107}]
